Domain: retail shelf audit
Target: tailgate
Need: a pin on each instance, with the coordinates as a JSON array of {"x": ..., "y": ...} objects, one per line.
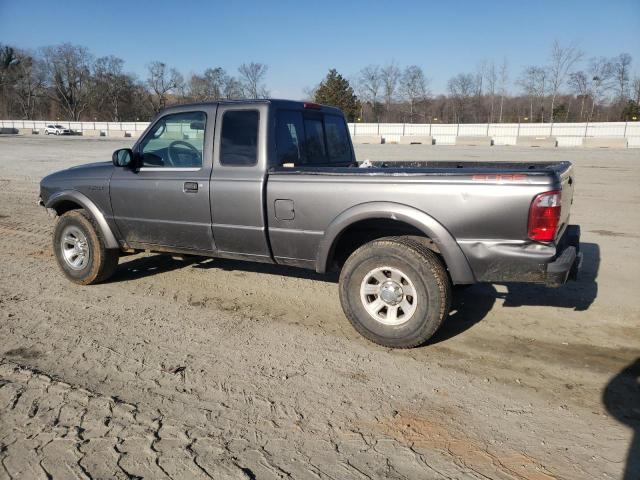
[{"x": 567, "y": 180}]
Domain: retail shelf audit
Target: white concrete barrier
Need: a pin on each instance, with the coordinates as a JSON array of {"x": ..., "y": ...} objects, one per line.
[
  {"x": 116, "y": 133},
  {"x": 93, "y": 133},
  {"x": 25, "y": 131},
  {"x": 415, "y": 139},
  {"x": 364, "y": 139},
  {"x": 473, "y": 141},
  {"x": 532, "y": 141},
  {"x": 604, "y": 142}
]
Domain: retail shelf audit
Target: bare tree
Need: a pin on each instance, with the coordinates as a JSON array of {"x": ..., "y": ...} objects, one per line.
[
  {"x": 162, "y": 82},
  {"x": 492, "y": 81},
  {"x": 541, "y": 82},
  {"x": 252, "y": 79},
  {"x": 462, "y": 88},
  {"x": 580, "y": 84},
  {"x": 533, "y": 82},
  {"x": 369, "y": 83},
  {"x": 413, "y": 87},
  {"x": 480, "y": 74},
  {"x": 621, "y": 67},
  {"x": 8, "y": 60},
  {"x": 601, "y": 73},
  {"x": 232, "y": 88},
  {"x": 479, "y": 81},
  {"x": 208, "y": 86},
  {"x": 390, "y": 75},
  {"x": 69, "y": 71},
  {"x": 562, "y": 60},
  {"x": 504, "y": 79},
  {"x": 26, "y": 78},
  {"x": 310, "y": 92},
  {"x": 527, "y": 82},
  {"x": 110, "y": 84}
]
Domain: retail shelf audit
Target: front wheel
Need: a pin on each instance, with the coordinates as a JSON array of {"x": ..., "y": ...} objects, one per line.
[
  {"x": 80, "y": 249},
  {"x": 395, "y": 291}
]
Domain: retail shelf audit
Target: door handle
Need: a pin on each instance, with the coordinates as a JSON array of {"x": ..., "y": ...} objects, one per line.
[{"x": 190, "y": 187}]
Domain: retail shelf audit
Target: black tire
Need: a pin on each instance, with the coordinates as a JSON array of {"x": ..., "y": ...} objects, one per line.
[
  {"x": 100, "y": 262},
  {"x": 419, "y": 267}
]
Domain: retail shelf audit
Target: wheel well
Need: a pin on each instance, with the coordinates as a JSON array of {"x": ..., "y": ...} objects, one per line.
[
  {"x": 66, "y": 205},
  {"x": 364, "y": 231}
]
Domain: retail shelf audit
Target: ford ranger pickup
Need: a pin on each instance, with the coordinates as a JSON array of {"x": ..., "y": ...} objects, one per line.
[{"x": 277, "y": 181}]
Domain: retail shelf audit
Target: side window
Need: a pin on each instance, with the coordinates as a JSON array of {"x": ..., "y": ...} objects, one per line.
[
  {"x": 239, "y": 138},
  {"x": 289, "y": 137},
  {"x": 175, "y": 141},
  {"x": 337, "y": 139},
  {"x": 315, "y": 149}
]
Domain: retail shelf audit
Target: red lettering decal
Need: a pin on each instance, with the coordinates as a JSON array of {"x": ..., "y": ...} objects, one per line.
[{"x": 500, "y": 177}]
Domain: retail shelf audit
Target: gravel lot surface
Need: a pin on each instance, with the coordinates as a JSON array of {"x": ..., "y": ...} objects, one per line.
[{"x": 223, "y": 369}]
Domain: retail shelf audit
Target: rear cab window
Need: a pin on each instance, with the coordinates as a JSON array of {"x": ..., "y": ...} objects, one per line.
[{"x": 312, "y": 139}]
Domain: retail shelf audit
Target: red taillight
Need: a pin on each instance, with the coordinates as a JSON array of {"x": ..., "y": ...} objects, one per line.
[
  {"x": 312, "y": 106},
  {"x": 544, "y": 216}
]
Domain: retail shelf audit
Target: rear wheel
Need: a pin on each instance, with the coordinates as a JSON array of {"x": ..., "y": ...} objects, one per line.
[
  {"x": 80, "y": 249},
  {"x": 395, "y": 291}
]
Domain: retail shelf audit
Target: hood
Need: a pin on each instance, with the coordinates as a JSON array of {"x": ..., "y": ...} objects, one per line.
[
  {"x": 91, "y": 169},
  {"x": 76, "y": 178}
]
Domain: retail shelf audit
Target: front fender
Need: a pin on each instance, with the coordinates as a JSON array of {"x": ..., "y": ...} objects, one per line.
[
  {"x": 86, "y": 203},
  {"x": 455, "y": 259}
]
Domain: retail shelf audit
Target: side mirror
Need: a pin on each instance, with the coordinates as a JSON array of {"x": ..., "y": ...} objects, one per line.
[{"x": 122, "y": 157}]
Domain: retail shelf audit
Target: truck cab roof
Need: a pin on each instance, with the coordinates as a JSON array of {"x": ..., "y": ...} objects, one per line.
[{"x": 278, "y": 103}]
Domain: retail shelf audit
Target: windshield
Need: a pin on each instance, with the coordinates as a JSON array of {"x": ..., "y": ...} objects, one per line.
[
  {"x": 59, "y": 126},
  {"x": 312, "y": 138}
]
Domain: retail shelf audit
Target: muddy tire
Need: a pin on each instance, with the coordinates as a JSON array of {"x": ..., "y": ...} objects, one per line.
[
  {"x": 395, "y": 291},
  {"x": 80, "y": 249}
]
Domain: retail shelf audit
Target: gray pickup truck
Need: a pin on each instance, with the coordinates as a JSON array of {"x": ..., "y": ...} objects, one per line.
[{"x": 277, "y": 181}]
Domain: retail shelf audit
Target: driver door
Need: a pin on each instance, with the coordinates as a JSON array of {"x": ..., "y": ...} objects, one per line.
[{"x": 164, "y": 200}]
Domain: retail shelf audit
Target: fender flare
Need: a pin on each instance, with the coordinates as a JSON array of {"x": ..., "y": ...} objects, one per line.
[
  {"x": 86, "y": 203},
  {"x": 454, "y": 257}
]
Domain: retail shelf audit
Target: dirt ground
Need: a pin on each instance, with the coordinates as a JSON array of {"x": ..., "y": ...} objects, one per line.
[{"x": 223, "y": 369}]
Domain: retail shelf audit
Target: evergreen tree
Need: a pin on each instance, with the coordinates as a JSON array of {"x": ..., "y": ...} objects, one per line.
[
  {"x": 335, "y": 90},
  {"x": 631, "y": 111}
]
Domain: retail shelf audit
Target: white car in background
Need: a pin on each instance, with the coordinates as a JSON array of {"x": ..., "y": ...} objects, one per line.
[{"x": 57, "y": 130}]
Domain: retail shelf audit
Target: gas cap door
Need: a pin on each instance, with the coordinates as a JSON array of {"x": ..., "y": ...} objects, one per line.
[{"x": 284, "y": 209}]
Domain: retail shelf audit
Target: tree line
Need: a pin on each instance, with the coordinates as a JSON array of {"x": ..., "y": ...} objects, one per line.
[
  {"x": 568, "y": 88},
  {"x": 67, "y": 82}
]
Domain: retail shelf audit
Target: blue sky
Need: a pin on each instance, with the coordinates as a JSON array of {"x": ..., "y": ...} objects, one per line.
[{"x": 301, "y": 40}]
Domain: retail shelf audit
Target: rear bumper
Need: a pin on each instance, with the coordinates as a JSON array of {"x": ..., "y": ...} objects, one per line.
[
  {"x": 568, "y": 262},
  {"x": 551, "y": 264}
]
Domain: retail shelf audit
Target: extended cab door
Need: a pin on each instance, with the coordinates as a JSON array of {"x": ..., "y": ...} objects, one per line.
[
  {"x": 238, "y": 182},
  {"x": 164, "y": 200}
]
